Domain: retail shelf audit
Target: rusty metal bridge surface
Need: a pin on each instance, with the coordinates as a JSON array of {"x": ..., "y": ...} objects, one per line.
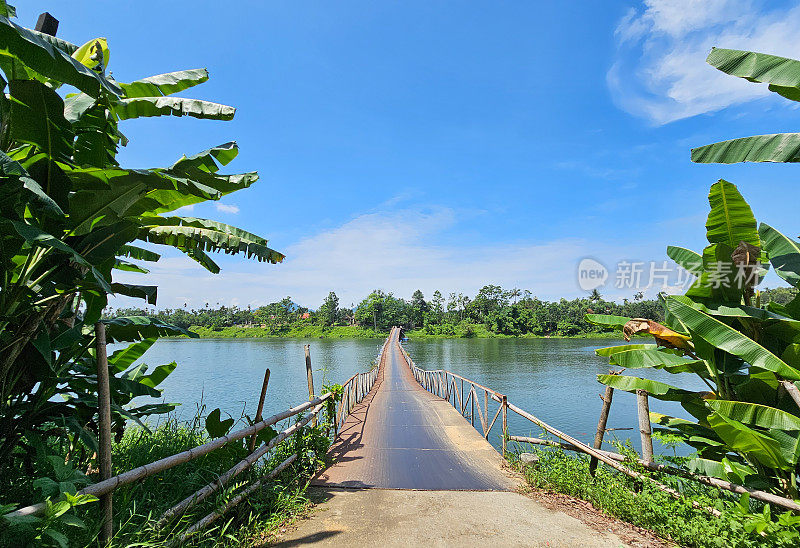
[{"x": 401, "y": 436}]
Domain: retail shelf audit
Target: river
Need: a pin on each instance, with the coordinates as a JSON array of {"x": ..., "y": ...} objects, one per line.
[{"x": 555, "y": 379}]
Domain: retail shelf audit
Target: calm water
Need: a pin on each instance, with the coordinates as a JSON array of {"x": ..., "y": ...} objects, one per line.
[{"x": 555, "y": 379}]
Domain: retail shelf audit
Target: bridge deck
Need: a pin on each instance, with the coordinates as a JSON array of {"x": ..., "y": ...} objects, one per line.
[{"x": 402, "y": 437}]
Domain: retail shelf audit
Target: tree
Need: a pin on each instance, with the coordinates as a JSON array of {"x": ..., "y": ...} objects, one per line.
[
  {"x": 329, "y": 310},
  {"x": 418, "y": 308},
  {"x": 71, "y": 216}
]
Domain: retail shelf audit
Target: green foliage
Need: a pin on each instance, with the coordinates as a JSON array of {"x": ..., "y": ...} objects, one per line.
[
  {"x": 742, "y": 523},
  {"x": 783, "y": 77},
  {"x": 71, "y": 215},
  {"x": 747, "y": 427}
]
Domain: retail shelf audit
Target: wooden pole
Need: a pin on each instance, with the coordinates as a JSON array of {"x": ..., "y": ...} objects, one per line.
[
  {"x": 47, "y": 24},
  {"x": 104, "y": 423},
  {"x": 310, "y": 376},
  {"x": 601, "y": 426},
  {"x": 504, "y": 405},
  {"x": 260, "y": 408},
  {"x": 792, "y": 390},
  {"x": 644, "y": 425}
]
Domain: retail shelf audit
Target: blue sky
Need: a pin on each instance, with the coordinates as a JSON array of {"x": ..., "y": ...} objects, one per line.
[{"x": 446, "y": 145}]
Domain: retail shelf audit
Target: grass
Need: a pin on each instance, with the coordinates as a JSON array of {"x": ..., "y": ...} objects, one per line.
[
  {"x": 646, "y": 506},
  {"x": 138, "y": 506}
]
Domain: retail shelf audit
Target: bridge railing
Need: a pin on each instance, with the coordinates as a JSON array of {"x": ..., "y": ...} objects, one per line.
[
  {"x": 355, "y": 389},
  {"x": 462, "y": 394},
  {"x": 442, "y": 383}
]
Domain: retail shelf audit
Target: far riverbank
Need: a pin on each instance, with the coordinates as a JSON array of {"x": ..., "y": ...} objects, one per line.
[{"x": 475, "y": 331}]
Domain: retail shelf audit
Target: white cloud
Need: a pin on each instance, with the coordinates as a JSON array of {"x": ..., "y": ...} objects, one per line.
[
  {"x": 225, "y": 208},
  {"x": 390, "y": 251},
  {"x": 660, "y": 71}
]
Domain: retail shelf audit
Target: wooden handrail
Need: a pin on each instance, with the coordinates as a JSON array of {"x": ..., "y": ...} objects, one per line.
[{"x": 115, "y": 482}]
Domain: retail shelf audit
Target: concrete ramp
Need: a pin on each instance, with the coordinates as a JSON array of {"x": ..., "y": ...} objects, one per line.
[{"x": 403, "y": 437}]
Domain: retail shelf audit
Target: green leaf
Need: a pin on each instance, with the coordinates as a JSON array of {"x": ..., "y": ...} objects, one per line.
[
  {"x": 37, "y": 118},
  {"x": 123, "y": 358},
  {"x": 658, "y": 390},
  {"x": 136, "y": 328},
  {"x": 784, "y": 254},
  {"x": 48, "y": 60},
  {"x": 139, "y": 253},
  {"x": 782, "y": 74},
  {"x": 726, "y": 338},
  {"x": 13, "y": 169},
  {"x": 215, "y": 427},
  {"x": 754, "y": 414},
  {"x": 776, "y": 147},
  {"x": 607, "y": 320},
  {"x": 60, "y": 538},
  {"x": 610, "y": 350},
  {"x": 140, "y": 107},
  {"x": 201, "y": 257},
  {"x": 165, "y": 84},
  {"x": 127, "y": 266},
  {"x": 639, "y": 358},
  {"x": 690, "y": 260},
  {"x": 730, "y": 220},
  {"x": 747, "y": 441},
  {"x": 158, "y": 375},
  {"x": 187, "y": 233},
  {"x": 147, "y": 292}
]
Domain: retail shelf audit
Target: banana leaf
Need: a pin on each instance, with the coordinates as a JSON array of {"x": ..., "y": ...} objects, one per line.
[
  {"x": 782, "y": 74},
  {"x": 754, "y": 414},
  {"x": 165, "y": 84},
  {"x": 784, "y": 254},
  {"x": 128, "y": 109},
  {"x": 610, "y": 350},
  {"x": 50, "y": 61},
  {"x": 747, "y": 441},
  {"x": 656, "y": 389},
  {"x": 724, "y": 337},
  {"x": 691, "y": 261},
  {"x": 776, "y": 147}
]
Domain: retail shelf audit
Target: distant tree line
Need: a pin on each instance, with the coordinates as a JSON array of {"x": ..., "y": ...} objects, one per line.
[{"x": 508, "y": 312}]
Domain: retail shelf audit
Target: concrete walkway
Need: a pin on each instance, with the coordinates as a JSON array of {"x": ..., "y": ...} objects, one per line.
[
  {"x": 410, "y": 471},
  {"x": 392, "y": 517},
  {"x": 403, "y": 437}
]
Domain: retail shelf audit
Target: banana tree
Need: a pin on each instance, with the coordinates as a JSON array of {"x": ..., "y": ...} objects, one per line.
[
  {"x": 746, "y": 426},
  {"x": 71, "y": 215}
]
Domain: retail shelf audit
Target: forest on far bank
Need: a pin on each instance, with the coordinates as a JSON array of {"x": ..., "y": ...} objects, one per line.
[{"x": 492, "y": 310}]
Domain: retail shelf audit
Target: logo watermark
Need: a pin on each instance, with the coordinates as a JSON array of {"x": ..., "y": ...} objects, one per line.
[{"x": 591, "y": 274}]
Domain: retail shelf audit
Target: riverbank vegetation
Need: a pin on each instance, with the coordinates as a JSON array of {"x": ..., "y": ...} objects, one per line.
[
  {"x": 740, "y": 523},
  {"x": 493, "y": 312}
]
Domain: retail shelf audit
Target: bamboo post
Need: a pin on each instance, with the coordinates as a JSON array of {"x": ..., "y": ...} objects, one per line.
[
  {"x": 504, "y": 405},
  {"x": 792, "y": 390},
  {"x": 310, "y": 376},
  {"x": 104, "y": 423},
  {"x": 260, "y": 408},
  {"x": 601, "y": 426},
  {"x": 644, "y": 425}
]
